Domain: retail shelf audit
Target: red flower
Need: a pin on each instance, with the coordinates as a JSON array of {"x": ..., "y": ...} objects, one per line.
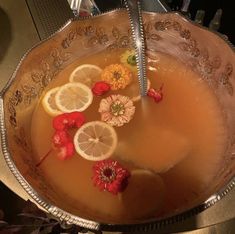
[
  {"x": 156, "y": 95},
  {"x": 68, "y": 120},
  {"x": 66, "y": 151},
  {"x": 60, "y": 122},
  {"x": 75, "y": 119},
  {"x": 100, "y": 88},
  {"x": 110, "y": 176},
  {"x": 60, "y": 138}
]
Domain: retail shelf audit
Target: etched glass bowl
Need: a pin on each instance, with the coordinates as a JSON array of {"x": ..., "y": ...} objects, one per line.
[{"x": 203, "y": 51}]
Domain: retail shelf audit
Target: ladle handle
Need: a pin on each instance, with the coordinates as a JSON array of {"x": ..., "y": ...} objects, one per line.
[
  {"x": 134, "y": 11},
  {"x": 75, "y": 6}
]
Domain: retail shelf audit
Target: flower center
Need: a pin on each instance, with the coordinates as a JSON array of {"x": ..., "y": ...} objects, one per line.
[
  {"x": 117, "y": 75},
  {"x": 131, "y": 60},
  {"x": 108, "y": 174},
  {"x": 117, "y": 108}
]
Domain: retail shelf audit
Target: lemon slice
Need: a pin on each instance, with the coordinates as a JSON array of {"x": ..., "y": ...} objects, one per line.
[
  {"x": 87, "y": 74},
  {"x": 48, "y": 102},
  {"x": 95, "y": 141},
  {"x": 144, "y": 195},
  {"x": 73, "y": 97}
]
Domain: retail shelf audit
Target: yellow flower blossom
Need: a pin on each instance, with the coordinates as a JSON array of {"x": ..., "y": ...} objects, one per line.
[{"x": 117, "y": 75}]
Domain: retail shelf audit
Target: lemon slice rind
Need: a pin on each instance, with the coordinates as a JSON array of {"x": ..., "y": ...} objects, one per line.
[
  {"x": 67, "y": 91},
  {"x": 88, "y": 79},
  {"x": 46, "y": 103}
]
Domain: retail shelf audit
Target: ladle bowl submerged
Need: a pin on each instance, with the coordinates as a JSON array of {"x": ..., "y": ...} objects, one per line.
[{"x": 207, "y": 53}]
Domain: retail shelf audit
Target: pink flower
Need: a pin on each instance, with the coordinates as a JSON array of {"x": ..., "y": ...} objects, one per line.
[
  {"x": 116, "y": 110},
  {"x": 110, "y": 176}
]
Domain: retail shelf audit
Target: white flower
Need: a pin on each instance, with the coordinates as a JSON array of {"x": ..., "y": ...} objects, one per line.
[{"x": 116, "y": 110}]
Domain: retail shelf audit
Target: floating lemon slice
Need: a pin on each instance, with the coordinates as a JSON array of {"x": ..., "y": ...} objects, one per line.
[
  {"x": 95, "y": 141},
  {"x": 73, "y": 97},
  {"x": 87, "y": 74},
  {"x": 144, "y": 195},
  {"x": 48, "y": 102}
]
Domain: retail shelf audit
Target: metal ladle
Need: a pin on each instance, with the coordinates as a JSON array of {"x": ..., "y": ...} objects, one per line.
[{"x": 134, "y": 11}]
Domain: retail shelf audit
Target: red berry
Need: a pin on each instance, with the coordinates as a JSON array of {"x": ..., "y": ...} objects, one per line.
[
  {"x": 100, "y": 88},
  {"x": 66, "y": 151},
  {"x": 61, "y": 138}
]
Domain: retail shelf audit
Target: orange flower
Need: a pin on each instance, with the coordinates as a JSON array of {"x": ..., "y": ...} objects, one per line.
[{"x": 117, "y": 75}]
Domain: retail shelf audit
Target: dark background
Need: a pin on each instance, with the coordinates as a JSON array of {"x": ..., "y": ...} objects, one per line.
[{"x": 210, "y": 6}]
